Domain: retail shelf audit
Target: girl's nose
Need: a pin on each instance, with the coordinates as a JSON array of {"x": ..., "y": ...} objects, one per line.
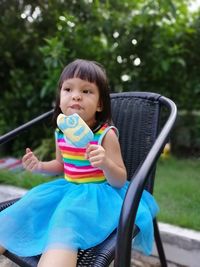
[{"x": 76, "y": 96}]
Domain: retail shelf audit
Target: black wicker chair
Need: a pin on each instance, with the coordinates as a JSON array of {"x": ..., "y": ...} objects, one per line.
[{"x": 143, "y": 133}]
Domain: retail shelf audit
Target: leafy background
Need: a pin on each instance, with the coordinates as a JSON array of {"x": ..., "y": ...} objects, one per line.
[{"x": 145, "y": 45}]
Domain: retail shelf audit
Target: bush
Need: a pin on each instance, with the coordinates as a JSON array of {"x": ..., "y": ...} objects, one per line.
[{"x": 186, "y": 136}]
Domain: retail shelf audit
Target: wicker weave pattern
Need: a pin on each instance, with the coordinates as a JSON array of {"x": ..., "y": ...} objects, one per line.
[{"x": 136, "y": 119}]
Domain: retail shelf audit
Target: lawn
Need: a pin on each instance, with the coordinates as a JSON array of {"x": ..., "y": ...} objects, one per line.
[
  {"x": 22, "y": 179},
  {"x": 177, "y": 189}
]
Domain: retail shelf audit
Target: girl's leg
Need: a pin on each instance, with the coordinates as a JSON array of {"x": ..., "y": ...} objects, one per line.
[
  {"x": 58, "y": 258},
  {"x": 2, "y": 250}
]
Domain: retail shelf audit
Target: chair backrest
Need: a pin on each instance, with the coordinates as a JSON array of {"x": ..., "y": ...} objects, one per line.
[{"x": 136, "y": 115}]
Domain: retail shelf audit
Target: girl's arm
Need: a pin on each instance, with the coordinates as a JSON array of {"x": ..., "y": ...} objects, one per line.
[
  {"x": 31, "y": 162},
  {"x": 53, "y": 166},
  {"x": 108, "y": 157}
]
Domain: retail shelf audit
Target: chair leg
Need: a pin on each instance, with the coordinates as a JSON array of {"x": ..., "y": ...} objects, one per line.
[{"x": 159, "y": 245}]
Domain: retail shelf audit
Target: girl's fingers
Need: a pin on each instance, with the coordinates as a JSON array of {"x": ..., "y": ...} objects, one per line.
[
  {"x": 93, "y": 154},
  {"x": 28, "y": 150},
  {"x": 95, "y": 158},
  {"x": 27, "y": 158},
  {"x": 91, "y": 148},
  {"x": 26, "y": 163},
  {"x": 32, "y": 166}
]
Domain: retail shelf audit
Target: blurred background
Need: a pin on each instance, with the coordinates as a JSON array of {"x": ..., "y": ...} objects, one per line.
[{"x": 145, "y": 45}]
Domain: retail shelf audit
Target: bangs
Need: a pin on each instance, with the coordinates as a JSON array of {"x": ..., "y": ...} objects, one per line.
[{"x": 84, "y": 70}]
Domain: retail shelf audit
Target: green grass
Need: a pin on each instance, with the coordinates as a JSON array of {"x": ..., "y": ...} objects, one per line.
[
  {"x": 22, "y": 179},
  {"x": 177, "y": 189}
]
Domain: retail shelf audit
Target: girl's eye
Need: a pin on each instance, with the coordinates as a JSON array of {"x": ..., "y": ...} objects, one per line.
[
  {"x": 67, "y": 89},
  {"x": 86, "y": 91}
]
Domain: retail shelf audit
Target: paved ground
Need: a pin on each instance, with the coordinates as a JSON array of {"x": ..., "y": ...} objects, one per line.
[
  {"x": 6, "y": 263},
  {"x": 182, "y": 246},
  {"x": 152, "y": 262}
]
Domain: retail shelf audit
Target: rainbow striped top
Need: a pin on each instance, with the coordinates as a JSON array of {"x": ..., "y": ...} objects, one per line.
[{"x": 77, "y": 168}]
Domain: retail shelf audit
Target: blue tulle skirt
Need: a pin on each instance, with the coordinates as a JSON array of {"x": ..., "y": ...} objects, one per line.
[{"x": 64, "y": 215}]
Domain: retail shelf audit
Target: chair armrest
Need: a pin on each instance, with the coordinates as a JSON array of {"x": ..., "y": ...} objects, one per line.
[
  {"x": 136, "y": 187},
  {"x": 12, "y": 134},
  {"x": 7, "y": 203}
]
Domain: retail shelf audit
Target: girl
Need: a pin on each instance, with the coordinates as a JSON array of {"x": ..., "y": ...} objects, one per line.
[{"x": 57, "y": 218}]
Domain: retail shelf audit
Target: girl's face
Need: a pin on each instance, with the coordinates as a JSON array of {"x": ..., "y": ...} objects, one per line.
[{"x": 81, "y": 97}]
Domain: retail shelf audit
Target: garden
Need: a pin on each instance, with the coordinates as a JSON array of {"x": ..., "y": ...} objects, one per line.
[{"x": 145, "y": 46}]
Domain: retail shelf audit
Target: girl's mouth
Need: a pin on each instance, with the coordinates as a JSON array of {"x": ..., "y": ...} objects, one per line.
[{"x": 76, "y": 106}]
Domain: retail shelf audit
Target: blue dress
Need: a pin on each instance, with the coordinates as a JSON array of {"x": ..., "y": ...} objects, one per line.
[{"x": 63, "y": 214}]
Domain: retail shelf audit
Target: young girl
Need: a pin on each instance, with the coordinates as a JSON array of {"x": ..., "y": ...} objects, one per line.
[{"x": 57, "y": 218}]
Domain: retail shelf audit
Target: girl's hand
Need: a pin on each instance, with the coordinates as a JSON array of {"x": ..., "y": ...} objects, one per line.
[
  {"x": 108, "y": 158},
  {"x": 96, "y": 155},
  {"x": 30, "y": 161}
]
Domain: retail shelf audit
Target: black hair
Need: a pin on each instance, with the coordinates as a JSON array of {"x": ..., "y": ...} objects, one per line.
[{"x": 93, "y": 72}]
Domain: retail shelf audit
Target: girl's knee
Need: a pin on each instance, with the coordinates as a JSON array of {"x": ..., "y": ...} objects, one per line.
[
  {"x": 2, "y": 250},
  {"x": 58, "y": 258}
]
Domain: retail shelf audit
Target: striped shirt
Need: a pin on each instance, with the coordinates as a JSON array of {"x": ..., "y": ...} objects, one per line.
[{"x": 77, "y": 168}]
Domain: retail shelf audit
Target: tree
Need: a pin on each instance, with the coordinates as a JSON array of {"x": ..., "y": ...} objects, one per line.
[{"x": 145, "y": 45}]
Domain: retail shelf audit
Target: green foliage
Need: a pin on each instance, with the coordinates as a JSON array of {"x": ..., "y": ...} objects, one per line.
[
  {"x": 186, "y": 137},
  {"x": 23, "y": 179},
  {"x": 145, "y": 45},
  {"x": 46, "y": 150}
]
